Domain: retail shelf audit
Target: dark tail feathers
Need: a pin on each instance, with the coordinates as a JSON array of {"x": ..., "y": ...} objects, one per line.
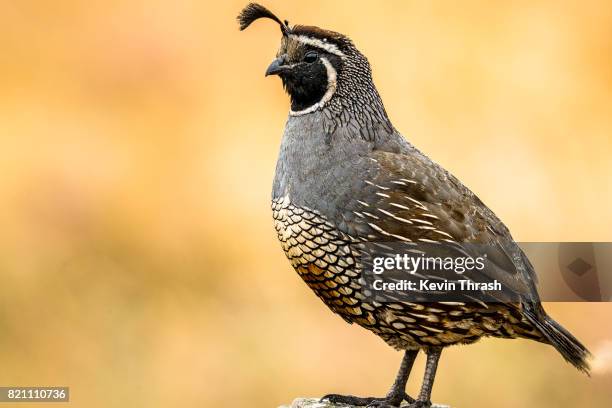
[{"x": 570, "y": 348}]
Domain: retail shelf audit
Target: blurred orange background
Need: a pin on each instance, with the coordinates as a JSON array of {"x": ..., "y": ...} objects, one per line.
[{"x": 138, "y": 142}]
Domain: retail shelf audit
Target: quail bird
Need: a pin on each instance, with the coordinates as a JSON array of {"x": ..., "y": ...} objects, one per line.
[{"x": 346, "y": 176}]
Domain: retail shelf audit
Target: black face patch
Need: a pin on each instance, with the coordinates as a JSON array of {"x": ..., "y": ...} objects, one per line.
[{"x": 307, "y": 81}]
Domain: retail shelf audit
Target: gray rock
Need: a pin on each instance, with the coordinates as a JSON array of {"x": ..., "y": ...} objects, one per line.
[{"x": 316, "y": 403}]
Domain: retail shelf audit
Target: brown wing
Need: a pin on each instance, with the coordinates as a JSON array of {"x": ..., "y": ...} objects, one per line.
[{"x": 411, "y": 199}]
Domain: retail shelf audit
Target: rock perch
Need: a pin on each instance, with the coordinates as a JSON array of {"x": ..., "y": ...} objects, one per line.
[{"x": 317, "y": 403}]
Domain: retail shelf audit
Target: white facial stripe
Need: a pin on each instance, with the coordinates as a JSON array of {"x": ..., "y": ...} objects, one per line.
[
  {"x": 331, "y": 88},
  {"x": 315, "y": 42}
]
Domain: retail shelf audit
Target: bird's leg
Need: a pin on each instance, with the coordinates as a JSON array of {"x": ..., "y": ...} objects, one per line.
[
  {"x": 424, "y": 401},
  {"x": 396, "y": 395}
]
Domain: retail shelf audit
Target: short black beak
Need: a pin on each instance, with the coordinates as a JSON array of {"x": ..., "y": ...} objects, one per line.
[{"x": 277, "y": 67}]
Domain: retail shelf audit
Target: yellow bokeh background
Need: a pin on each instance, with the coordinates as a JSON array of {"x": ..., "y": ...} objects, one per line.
[{"x": 138, "y": 142}]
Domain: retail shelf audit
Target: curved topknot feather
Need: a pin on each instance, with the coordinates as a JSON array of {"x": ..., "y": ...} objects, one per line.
[{"x": 254, "y": 11}]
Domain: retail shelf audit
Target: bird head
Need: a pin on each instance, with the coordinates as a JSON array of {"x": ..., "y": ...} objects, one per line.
[{"x": 315, "y": 65}]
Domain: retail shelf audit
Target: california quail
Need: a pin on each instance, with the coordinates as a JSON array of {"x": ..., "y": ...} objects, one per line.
[{"x": 345, "y": 176}]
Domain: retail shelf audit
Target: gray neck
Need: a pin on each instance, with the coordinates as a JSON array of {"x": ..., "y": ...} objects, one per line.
[
  {"x": 315, "y": 158},
  {"x": 319, "y": 155},
  {"x": 320, "y": 150}
]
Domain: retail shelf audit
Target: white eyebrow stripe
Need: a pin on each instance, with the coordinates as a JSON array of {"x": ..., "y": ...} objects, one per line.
[{"x": 315, "y": 42}]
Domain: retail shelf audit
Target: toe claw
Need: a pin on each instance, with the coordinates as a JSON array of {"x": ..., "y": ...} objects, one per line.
[
  {"x": 348, "y": 399},
  {"x": 391, "y": 401}
]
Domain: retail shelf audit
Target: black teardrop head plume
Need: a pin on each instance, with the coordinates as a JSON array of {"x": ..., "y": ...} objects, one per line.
[{"x": 254, "y": 11}]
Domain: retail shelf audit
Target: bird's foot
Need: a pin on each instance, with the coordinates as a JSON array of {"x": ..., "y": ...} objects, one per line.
[
  {"x": 420, "y": 404},
  {"x": 390, "y": 401}
]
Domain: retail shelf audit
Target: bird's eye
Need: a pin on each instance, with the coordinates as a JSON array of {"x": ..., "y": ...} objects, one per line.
[{"x": 311, "y": 56}]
